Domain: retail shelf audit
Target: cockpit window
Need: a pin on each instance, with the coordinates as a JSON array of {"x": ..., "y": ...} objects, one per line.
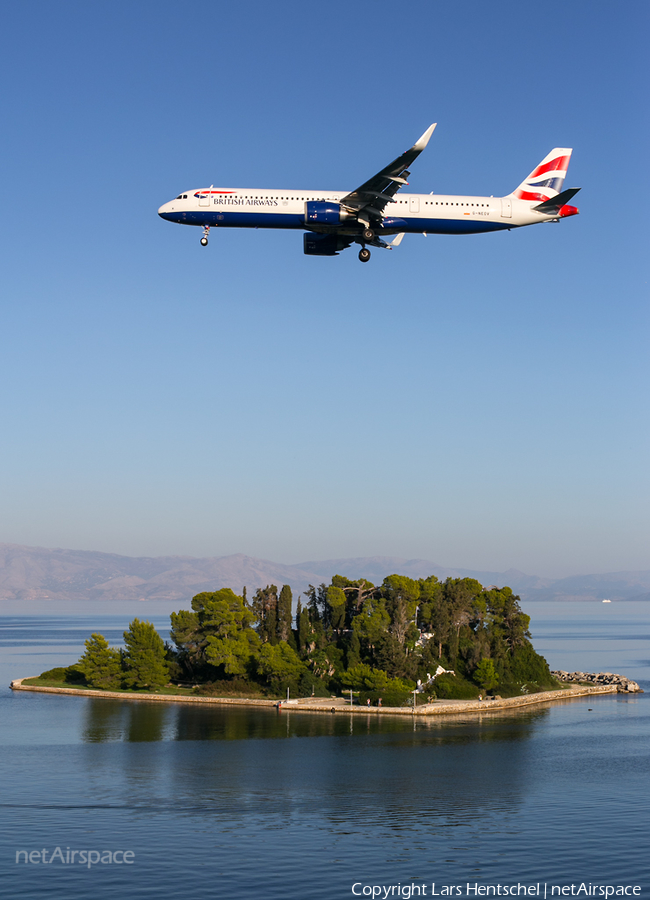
[
  {"x": 184, "y": 196},
  {"x": 180, "y": 197}
]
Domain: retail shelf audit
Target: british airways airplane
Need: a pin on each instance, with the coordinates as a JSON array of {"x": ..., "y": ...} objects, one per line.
[{"x": 378, "y": 209}]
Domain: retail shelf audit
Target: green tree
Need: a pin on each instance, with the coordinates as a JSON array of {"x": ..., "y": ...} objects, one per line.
[
  {"x": 101, "y": 664},
  {"x": 360, "y": 677},
  {"x": 355, "y": 593},
  {"x": 280, "y": 665},
  {"x": 430, "y": 591},
  {"x": 353, "y": 651},
  {"x": 337, "y": 604},
  {"x": 304, "y": 631},
  {"x": 144, "y": 660},
  {"x": 350, "y": 623},
  {"x": 226, "y": 622},
  {"x": 189, "y": 639},
  {"x": 459, "y": 594},
  {"x": 485, "y": 675},
  {"x": 440, "y": 622},
  {"x": 392, "y": 657},
  {"x": 372, "y": 622},
  {"x": 265, "y": 608},
  {"x": 284, "y": 613},
  {"x": 402, "y": 595},
  {"x": 526, "y": 665},
  {"x": 374, "y": 683},
  {"x": 506, "y": 627},
  {"x": 317, "y": 604}
]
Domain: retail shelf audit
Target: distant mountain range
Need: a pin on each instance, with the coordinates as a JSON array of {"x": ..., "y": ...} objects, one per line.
[{"x": 37, "y": 579}]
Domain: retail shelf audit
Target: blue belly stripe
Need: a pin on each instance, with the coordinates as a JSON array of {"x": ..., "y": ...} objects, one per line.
[{"x": 231, "y": 219}]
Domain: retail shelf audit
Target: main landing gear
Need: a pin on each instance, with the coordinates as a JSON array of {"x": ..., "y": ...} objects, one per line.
[
  {"x": 206, "y": 232},
  {"x": 364, "y": 254},
  {"x": 368, "y": 234}
]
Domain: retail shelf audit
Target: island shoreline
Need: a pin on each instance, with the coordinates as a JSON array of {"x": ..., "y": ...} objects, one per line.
[{"x": 336, "y": 705}]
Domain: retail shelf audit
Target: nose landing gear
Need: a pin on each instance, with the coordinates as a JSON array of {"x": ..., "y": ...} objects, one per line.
[
  {"x": 364, "y": 254},
  {"x": 206, "y": 232}
]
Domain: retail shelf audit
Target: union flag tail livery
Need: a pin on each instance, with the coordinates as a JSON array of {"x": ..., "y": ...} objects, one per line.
[
  {"x": 378, "y": 213},
  {"x": 546, "y": 180}
]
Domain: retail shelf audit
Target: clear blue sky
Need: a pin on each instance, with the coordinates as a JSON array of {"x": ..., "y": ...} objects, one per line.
[{"x": 480, "y": 401}]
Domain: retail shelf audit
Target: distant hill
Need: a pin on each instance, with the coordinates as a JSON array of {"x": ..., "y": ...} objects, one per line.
[
  {"x": 39, "y": 574},
  {"x": 39, "y": 579}
]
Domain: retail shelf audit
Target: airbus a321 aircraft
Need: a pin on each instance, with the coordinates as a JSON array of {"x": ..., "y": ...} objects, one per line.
[{"x": 378, "y": 209}]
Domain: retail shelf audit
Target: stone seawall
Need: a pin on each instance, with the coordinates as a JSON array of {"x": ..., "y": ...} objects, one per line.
[
  {"x": 338, "y": 705},
  {"x": 622, "y": 683},
  {"x": 17, "y": 685}
]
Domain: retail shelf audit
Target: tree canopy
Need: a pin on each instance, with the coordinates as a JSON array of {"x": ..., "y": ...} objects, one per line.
[
  {"x": 144, "y": 660},
  {"x": 404, "y": 629},
  {"x": 101, "y": 665},
  {"x": 141, "y": 665},
  {"x": 444, "y": 638}
]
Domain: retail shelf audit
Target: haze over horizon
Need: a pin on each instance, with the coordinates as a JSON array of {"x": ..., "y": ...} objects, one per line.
[
  {"x": 39, "y": 580},
  {"x": 478, "y": 401},
  {"x": 305, "y": 563}
]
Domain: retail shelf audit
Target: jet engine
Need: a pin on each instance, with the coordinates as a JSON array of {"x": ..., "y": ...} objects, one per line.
[
  {"x": 324, "y": 244},
  {"x": 323, "y": 212}
]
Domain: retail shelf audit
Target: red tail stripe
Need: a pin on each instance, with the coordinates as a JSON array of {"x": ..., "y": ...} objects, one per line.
[
  {"x": 560, "y": 162},
  {"x": 523, "y": 195}
]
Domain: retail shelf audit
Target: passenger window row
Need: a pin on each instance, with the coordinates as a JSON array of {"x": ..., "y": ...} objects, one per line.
[{"x": 323, "y": 199}]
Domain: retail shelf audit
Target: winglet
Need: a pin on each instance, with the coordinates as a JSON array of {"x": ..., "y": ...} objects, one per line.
[
  {"x": 398, "y": 240},
  {"x": 420, "y": 144}
]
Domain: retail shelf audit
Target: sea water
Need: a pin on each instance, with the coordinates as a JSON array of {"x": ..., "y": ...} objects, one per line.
[{"x": 206, "y": 802}]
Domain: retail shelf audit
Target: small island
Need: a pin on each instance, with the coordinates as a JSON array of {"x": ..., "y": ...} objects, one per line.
[{"x": 405, "y": 645}]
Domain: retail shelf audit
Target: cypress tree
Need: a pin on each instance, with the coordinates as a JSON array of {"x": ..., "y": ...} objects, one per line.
[
  {"x": 265, "y": 608},
  {"x": 297, "y": 631},
  {"x": 304, "y": 630},
  {"x": 354, "y": 650},
  {"x": 284, "y": 613}
]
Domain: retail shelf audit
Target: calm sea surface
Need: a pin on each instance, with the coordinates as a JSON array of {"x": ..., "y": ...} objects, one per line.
[{"x": 260, "y": 804}]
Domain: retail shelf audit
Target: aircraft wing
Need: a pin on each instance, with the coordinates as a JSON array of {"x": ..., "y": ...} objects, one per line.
[{"x": 372, "y": 197}]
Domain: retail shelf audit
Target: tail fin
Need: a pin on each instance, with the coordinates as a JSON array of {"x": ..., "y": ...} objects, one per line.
[{"x": 546, "y": 180}]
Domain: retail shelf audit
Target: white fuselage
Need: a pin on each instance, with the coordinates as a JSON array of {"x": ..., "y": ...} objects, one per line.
[{"x": 408, "y": 213}]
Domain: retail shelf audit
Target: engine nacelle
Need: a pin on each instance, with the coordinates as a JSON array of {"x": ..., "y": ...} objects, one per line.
[
  {"x": 324, "y": 212},
  {"x": 323, "y": 244}
]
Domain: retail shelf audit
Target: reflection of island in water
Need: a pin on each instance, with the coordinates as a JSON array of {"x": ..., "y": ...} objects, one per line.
[
  {"x": 113, "y": 720},
  {"x": 381, "y": 771}
]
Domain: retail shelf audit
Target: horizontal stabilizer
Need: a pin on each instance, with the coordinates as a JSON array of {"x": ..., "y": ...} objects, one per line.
[{"x": 555, "y": 204}]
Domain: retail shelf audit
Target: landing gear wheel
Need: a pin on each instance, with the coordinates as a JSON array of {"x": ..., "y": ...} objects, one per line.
[
  {"x": 206, "y": 232},
  {"x": 204, "y": 242},
  {"x": 364, "y": 255},
  {"x": 368, "y": 234}
]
